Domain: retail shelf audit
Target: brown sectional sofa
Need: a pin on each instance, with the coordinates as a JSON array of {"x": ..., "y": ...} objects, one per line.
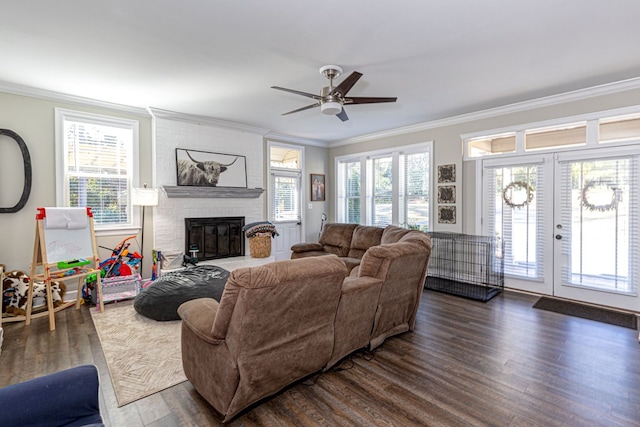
[
  {"x": 283, "y": 321},
  {"x": 349, "y": 241}
]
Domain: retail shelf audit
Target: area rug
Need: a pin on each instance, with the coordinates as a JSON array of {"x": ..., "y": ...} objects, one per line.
[
  {"x": 143, "y": 355},
  {"x": 585, "y": 311}
]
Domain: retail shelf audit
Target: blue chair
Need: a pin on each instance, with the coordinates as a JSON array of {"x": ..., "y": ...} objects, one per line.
[{"x": 65, "y": 398}]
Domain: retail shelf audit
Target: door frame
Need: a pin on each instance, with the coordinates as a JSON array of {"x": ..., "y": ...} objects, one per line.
[
  {"x": 543, "y": 285},
  {"x": 279, "y": 240},
  {"x": 591, "y": 295},
  {"x": 552, "y": 284}
]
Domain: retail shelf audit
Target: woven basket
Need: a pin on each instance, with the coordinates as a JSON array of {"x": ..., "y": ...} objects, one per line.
[{"x": 260, "y": 246}]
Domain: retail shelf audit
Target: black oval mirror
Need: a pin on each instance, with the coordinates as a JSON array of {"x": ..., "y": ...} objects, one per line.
[{"x": 26, "y": 160}]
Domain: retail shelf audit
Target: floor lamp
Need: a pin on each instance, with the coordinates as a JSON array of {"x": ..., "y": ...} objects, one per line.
[{"x": 144, "y": 197}]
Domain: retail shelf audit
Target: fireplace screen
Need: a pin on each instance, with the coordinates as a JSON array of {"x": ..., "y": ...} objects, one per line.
[{"x": 213, "y": 238}]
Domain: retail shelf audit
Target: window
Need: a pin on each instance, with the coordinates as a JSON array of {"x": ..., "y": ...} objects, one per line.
[
  {"x": 382, "y": 200},
  {"x": 614, "y": 127},
  {"x": 383, "y": 188},
  {"x": 94, "y": 165},
  {"x": 414, "y": 194}
]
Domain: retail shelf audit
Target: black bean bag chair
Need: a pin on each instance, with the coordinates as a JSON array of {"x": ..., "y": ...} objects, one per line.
[{"x": 161, "y": 299}]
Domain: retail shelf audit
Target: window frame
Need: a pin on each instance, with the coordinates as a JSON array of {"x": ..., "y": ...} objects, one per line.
[
  {"x": 367, "y": 176},
  {"x": 63, "y": 115}
]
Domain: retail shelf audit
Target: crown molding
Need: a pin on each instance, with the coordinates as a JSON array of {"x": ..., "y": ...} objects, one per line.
[
  {"x": 17, "y": 89},
  {"x": 576, "y": 95},
  {"x": 205, "y": 120},
  {"x": 274, "y": 136}
]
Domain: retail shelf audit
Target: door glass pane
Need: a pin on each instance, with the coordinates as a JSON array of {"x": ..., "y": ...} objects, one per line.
[
  {"x": 598, "y": 206},
  {"x": 286, "y": 197},
  {"x": 515, "y": 217}
]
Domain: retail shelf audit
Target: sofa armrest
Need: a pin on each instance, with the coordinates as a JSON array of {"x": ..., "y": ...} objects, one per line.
[
  {"x": 199, "y": 315},
  {"x": 65, "y": 398},
  {"x": 306, "y": 247}
]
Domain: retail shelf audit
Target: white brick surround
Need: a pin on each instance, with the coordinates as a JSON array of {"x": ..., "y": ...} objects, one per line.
[{"x": 169, "y": 215}]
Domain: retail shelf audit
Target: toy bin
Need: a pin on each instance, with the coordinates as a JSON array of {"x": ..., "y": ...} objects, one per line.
[{"x": 118, "y": 288}]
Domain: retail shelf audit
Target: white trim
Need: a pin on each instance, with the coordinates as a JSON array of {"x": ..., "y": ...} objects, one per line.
[
  {"x": 295, "y": 139},
  {"x": 568, "y": 120},
  {"x": 16, "y": 89},
  {"x": 576, "y": 95},
  {"x": 62, "y": 114},
  {"x": 205, "y": 120}
]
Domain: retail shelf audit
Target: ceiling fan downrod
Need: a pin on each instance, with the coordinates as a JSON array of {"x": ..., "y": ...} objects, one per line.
[{"x": 330, "y": 104}]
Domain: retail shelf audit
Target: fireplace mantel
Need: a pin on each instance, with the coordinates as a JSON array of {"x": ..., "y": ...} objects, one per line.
[{"x": 211, "y": 192}]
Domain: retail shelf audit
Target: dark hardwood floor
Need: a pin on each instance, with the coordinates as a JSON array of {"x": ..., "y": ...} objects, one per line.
[{"x": 500, "y": 363}]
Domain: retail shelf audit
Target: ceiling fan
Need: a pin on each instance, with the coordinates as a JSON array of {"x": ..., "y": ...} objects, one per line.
[{"x": 333, "y": 98}]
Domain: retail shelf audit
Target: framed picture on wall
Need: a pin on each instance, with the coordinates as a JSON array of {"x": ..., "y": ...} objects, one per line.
[
  {"x": 446, "y": 173},
  {"x": 446, "y": 194},
  {"x": 207, "y": 169},
  {"x": 317, "y": 187}
]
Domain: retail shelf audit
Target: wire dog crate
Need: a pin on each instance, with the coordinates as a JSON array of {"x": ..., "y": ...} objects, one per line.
[{"x": 466, "y": 265}]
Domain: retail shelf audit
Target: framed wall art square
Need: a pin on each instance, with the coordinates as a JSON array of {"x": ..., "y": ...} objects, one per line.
[
  {"x": 317, "y": 187},
  {"x": 446, "y": 173},
  {"x": 446, "y": 194},
  {"x": 446, "y": 214}
]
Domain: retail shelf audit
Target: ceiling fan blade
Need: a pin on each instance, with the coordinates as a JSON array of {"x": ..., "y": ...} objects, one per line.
[
  {"x": 297, "y": 92},
  {"x": 346, "y": 84},
  {"x": 342, "y": 115},
  {"x": 367, "y": 100},
  {"x": 317, "y": 104}
]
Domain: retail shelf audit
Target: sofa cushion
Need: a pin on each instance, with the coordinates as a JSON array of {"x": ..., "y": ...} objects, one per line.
[
  {"x": 363, "y": 238},
  {"x": 305, "y": 247},
  {"x": 393, "y": 234},
  {"x": 336, "y": 238}
]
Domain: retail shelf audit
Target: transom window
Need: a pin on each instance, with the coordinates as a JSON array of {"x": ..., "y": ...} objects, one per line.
[{"x": 589, "y": 131}]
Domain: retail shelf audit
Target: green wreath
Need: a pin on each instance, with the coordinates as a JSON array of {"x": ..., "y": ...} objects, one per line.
[
  {"x": 616, "y": 196},
  {"x": 515, "y": 186}
]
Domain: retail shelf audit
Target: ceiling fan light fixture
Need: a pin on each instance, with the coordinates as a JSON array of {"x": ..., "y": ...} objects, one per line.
[{"x": 331, "y": 108}]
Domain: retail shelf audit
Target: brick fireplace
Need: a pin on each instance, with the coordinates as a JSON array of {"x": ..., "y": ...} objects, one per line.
[{"x": 214, "y": 238}]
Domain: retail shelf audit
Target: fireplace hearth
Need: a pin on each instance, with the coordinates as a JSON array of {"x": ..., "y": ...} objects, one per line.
[{"x": 214, "y": 238}]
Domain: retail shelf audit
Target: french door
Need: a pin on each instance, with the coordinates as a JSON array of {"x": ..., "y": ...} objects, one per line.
[{"x": 570, "y": 223}]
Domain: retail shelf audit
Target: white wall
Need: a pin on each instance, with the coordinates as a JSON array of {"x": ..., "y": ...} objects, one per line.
[{"x": 169, "y": 215}]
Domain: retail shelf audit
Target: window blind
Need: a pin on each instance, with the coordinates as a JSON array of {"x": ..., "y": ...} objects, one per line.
[
  {"x": 517, "y": 218},
  {"x": 98, "y": 169},
  {"x": 286, "y": 197},
  {"x": 381, "y": 207},
  {"x": 599, "y": 214}
]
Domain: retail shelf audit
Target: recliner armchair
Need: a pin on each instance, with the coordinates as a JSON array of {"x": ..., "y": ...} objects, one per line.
[{"x": 380, "y": 297}]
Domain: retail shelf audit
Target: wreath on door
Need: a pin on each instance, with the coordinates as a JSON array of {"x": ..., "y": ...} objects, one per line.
[
  {"x": 515, "y": 188},
  {"x": 596, "y": 194}
]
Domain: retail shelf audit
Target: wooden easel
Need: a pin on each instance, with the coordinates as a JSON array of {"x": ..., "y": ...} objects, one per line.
[{"x": 64, "y": 245}]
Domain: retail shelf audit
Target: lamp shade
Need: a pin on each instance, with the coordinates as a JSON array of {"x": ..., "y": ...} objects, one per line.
[{"x": 144, "y": 197}]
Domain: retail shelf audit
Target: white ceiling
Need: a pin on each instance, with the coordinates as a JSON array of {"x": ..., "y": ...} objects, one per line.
[{"x": 441, "y": 58}]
